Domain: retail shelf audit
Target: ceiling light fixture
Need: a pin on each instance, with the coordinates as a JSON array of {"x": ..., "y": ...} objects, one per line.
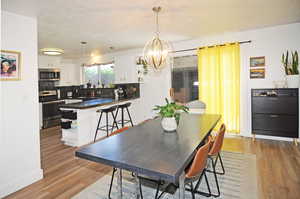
[
  {"x": 83, "y": 45},
  {"x": 156, "y": 50},
  {"x": 52, "y": 51}
]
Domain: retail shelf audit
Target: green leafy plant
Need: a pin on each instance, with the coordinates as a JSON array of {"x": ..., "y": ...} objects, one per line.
[
  {"x": 171, "y": 109},
  {"x": 143, "y": 62},
  {"x": 290, "y": 65},
  {"x": 145, "y": 66}
]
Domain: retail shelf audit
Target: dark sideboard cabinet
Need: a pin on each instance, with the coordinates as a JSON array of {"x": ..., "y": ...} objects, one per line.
[{"x": 275, "y": 112}]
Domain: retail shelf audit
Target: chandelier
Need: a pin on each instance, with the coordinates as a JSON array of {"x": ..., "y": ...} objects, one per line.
[{"x": 156, "y": 51}]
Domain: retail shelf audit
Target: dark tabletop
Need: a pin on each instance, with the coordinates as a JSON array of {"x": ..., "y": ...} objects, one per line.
[
  {"x": 93, "y": 103},
  {"x": 147, "y": 149}
]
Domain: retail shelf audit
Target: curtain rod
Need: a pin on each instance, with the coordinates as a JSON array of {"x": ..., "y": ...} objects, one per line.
[{"x": 191, "y": 49}]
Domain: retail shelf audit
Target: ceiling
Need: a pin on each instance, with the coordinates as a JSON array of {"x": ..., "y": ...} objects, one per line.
[
  {"x": 126, "y": 24},
  {"x": 27, "y": 8}
]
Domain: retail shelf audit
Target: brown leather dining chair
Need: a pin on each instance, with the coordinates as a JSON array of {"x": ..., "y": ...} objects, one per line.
[
  {"x": 194, "y": 172},
  {"x": 197, "y": 169},
  {"x": 215, "y": 155}
]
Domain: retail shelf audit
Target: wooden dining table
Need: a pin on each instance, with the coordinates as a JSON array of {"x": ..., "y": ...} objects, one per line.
[{"x": 148, "y": 150}]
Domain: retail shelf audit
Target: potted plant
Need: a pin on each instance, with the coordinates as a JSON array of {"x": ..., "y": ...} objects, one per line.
[
  {"x": 291, "y": 68},
  {"x": 170, "y": 114},
  {"x": 145, "y": 66}
]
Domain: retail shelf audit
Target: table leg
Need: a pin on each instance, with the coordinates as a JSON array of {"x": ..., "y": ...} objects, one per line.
[
  {"x": 137, "y": 186},
  {"x": 119, "y": 179},
  {"x": 181, "y": 189}
]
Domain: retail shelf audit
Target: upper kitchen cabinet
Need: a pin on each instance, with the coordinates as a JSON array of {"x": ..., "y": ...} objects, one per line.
[
  {"x": 125, "y": 69},
  {"x": 70, "y": 74},
  {"x": 45, "y": 61},
  {"x": 69, "y": 69}
]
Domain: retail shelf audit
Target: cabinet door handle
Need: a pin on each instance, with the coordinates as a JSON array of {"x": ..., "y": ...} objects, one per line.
[{"x": 274, "y": 116}]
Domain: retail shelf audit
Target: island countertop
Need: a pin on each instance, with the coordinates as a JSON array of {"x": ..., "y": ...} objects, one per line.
[{"x": 94, "y": 103}]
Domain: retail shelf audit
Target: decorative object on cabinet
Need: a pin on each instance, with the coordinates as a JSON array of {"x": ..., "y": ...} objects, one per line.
[
  {"x": 257, "y": 61},
  {"x": 291, "y": 68},
  {"x": 10, "y": 65},
  {"x": 257, "y": 73},
  {"x": 280, "y": 84},
  {"x": 156, "y": 51},
  {"x": 275, "y": 112},
  {"x": 170, "y": 114}
]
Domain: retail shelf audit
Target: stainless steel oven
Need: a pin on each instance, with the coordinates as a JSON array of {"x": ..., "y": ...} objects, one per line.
[{"x": 51, "y": 113}]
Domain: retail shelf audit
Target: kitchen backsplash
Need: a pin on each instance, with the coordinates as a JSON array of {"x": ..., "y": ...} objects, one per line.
[{"x": 130, "y": 90}]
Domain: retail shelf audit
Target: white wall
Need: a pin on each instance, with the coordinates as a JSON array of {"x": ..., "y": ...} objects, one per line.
[
  {"x": 153, "y": 91},
  {"x": 269, "y": 42},
  {"x": 70, "y": 69},
  {"x": 19, "y": 136}
]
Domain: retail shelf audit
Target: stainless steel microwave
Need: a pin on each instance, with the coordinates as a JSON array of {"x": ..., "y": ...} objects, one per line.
[{"x": 49, "y": 74}]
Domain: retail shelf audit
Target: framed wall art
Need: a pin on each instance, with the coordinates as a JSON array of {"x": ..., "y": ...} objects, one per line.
[
  {"x": 257, "y": 61},
  {"x": 257, "y": 73},
  {"x": 10, "y": 65}
]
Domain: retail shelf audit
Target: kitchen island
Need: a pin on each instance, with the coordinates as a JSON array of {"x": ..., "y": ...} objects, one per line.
[{"x": 84, "y": 125}]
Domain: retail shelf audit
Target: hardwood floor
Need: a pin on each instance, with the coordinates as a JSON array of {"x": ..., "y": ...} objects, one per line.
[
  {"x": 278, "y": 166},
  {"x": 64, "y": 175}
]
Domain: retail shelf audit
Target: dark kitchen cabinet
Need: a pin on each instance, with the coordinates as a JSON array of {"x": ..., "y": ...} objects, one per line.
[{"x": 275, "y": 112}]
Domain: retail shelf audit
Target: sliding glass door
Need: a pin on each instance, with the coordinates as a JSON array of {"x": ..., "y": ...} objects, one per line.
[{"x": 185, "y": 78}]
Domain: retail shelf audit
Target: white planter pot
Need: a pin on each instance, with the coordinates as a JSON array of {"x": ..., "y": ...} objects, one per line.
[
  {"x": 169, "y": 123},
  {"x": 292, "y": 81}
]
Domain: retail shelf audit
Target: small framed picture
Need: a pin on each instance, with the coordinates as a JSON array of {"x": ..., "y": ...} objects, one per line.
[
  {"x": 257, "y": 73},
  {"x": 10, "y": 65},
  {"x": 257, "y": 61}
]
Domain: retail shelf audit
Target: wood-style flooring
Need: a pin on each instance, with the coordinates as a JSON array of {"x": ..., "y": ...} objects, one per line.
[{"x": 278, "y": 166}]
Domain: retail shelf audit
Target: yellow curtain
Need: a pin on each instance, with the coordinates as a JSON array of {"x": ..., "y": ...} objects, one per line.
[{"x": 219, "y": 83}]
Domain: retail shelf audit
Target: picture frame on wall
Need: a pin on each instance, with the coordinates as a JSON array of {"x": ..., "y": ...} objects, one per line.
[
  {"x": 10, "y": 65},
  {"x": 257, "y": 61},
  {"x": 257, "y": 73}
]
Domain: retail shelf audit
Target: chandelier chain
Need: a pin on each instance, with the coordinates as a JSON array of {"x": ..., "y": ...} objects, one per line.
[{"x": 83, "y": 51}]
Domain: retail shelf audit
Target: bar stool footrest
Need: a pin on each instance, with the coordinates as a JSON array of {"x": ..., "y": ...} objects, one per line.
[
  {"x": 125, "y": 121},
  {"x": 110, "y": 127}
]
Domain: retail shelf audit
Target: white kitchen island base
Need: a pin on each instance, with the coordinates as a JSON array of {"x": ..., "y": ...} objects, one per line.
[{"x": 83, "y": 129}]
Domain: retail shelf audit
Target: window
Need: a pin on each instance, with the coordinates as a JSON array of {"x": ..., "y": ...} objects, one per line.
[
  {"x": 99, "y": 74},
  {"x": 91, "y": 75},
  {"x": 185, "y": 78},
  {"x": 107, "y": 75}
]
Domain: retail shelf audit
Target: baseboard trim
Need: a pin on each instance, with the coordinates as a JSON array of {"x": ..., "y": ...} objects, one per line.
[
  {"x": 271, "y": 138},
  {"x": 275, "y": 138},
  {"x": 21, "y": 182}
]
